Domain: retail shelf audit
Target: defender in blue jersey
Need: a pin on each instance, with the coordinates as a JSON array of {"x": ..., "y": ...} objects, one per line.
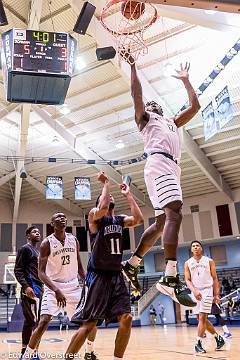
[
  {"x": 26, "y": 272},
  {"x": 105, "y": 296}
]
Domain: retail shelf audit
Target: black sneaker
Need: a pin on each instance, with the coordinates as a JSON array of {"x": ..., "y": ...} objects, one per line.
[
  {"x": 198, "y": 348},
  {"x": 220, "y": 342},
  {"x": 90, "y": 356},
  {"x": 176, "y": 289},
  {"x": 131, "y": 273}
]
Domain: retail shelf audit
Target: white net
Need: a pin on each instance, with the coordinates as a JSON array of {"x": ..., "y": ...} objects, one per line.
[{"x": 127, "y": 21}]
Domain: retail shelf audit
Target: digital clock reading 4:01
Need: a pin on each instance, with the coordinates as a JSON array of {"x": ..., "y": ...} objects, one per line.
[{"x": 38, "y": 51}]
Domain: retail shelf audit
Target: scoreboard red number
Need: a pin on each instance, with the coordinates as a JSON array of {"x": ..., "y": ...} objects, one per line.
[
  {"x": 27, "y": 49},
  {"x": 64, "y": 52}
]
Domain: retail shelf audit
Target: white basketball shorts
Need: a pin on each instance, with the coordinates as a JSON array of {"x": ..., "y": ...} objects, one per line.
[
  {"x": 204, "y": 305},
  {"x": 162, "y": 178},
  {"x": 71, "y": 290}
]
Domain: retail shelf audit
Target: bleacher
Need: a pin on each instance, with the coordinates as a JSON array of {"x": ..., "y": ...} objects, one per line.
[
  {"x": 8, "y": 299},
  {"x": 233, "y": 273},
  {"x": 147, "y": 282}
]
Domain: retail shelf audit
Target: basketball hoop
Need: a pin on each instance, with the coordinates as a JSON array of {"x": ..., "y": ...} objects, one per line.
[{"x": 127, "y": 21}]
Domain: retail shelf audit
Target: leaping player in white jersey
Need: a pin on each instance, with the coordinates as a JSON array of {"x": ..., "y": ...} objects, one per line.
[
  {"x": 60, "y": 268},
  {"x": 201, "y": 278},
  {"x": 162, "y": 177}
]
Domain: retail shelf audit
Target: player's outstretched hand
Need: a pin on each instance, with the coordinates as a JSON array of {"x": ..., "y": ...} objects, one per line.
[
  {"x": 61, "y": 300},
  {"x": 182, "y": 74},
  {"x": 125, "y": 190},
  {"x": 101, "y": 176}
]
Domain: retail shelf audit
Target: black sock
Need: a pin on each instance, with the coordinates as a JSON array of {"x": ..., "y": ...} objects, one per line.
[
  {"x": 23, "y": 350},
  {"x": 139, "y": 256}
]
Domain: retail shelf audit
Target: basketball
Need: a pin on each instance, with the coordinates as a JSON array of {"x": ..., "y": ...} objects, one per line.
[{"x": 132, "y": 10}]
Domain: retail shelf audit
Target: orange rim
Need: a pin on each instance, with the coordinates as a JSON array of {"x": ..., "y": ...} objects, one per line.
[{"x": 113, "y": 32}]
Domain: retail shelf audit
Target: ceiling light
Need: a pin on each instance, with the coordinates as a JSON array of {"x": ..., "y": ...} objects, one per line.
[
  {"x": 55, "y": 140},
  {"x": 120, "y": 144},
  {"x": 64, "y": 110},
  {"x": 210, "y": 12},
  {"x": 79, "y": 63}
]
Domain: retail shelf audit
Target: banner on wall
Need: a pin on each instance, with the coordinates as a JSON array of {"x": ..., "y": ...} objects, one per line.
[
  {"x": 209, "y": 122},
  {"x": 82, "y": 188},
  {"x": 54, "y": 188},
  {"x": 224, "y": 110}
]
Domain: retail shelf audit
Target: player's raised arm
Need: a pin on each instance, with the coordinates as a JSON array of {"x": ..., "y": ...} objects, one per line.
[
  {"x": 43, "y": 258},
  {"x": 141, "y": 117},
  {"x": 136, "y": 217},
  {"x": 186, "y": 115},
  {"x": 102, "y": 203}
]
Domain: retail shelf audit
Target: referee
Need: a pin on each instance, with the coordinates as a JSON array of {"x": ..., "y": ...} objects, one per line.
[{"x": 26, "y": 272}]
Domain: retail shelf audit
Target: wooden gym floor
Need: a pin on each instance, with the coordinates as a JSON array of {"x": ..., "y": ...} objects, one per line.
[{"x": 148, "y": 343}]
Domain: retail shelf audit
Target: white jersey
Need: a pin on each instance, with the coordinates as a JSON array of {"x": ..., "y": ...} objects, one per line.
[
  {"x": 62, "y": 264},
  {"x": 161, "y": 134},
  {"x": 200, "y": 272}
]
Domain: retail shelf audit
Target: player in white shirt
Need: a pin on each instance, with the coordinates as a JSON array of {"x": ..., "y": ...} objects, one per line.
[
  {"x": 162, "y": 177},
  {"x": 60, "y": 268},
  {"x": 201, "y": 279}
]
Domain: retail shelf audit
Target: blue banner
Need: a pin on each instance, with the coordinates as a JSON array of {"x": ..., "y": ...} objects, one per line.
[
  {"x": 82, "y": 188},
  {"x": 224, "y": 110},
  {"x": 209, "y": 122},
  {"x": 54, "y": 188}
]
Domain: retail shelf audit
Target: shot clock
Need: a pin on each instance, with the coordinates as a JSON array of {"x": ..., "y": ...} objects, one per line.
[{"x": 37, "y": 65}]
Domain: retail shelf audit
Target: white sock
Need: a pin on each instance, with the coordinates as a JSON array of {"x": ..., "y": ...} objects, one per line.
[
  {"x": 89, "y": 346},
  {"x": 28, "y": 353},
  {"x": 171, "y": 268},
  {"x": 225, "y": 328},
  {"x": 116, "y": 358},
  {"x": 199, "y": 338},
  {"x": 135, "y": 260}
]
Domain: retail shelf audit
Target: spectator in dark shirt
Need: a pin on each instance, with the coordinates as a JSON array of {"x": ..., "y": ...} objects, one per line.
[
  {"x": 152, "y": 314},
  {"x": 232, "y": 285},
  {"x": 26, "y": 272},
  {"x": 226, "y": 286}
]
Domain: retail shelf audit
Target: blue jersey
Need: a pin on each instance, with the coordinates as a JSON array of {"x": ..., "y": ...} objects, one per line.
[
  {"x": 107, "y": 244},
  {"x": 26, "y": 268}
]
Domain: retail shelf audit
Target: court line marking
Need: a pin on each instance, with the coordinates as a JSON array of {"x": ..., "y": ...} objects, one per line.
[{"x": 192, "y": 354}]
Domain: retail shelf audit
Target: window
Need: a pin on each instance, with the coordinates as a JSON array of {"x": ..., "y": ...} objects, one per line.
[
  {"x": 218, "y": 254},
  {"x": 81, "y": 235},
  {"x": 126, "y": 239},
  {"x": 224, "y": 221}
]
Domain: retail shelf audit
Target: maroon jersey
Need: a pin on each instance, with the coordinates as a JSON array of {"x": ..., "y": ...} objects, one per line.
[{"x": 107, "y": 244}]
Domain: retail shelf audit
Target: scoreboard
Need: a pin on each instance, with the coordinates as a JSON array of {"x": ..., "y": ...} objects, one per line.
[
  {"x": 40, "y": 51},
  {"x": 39, "y": 59}
]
